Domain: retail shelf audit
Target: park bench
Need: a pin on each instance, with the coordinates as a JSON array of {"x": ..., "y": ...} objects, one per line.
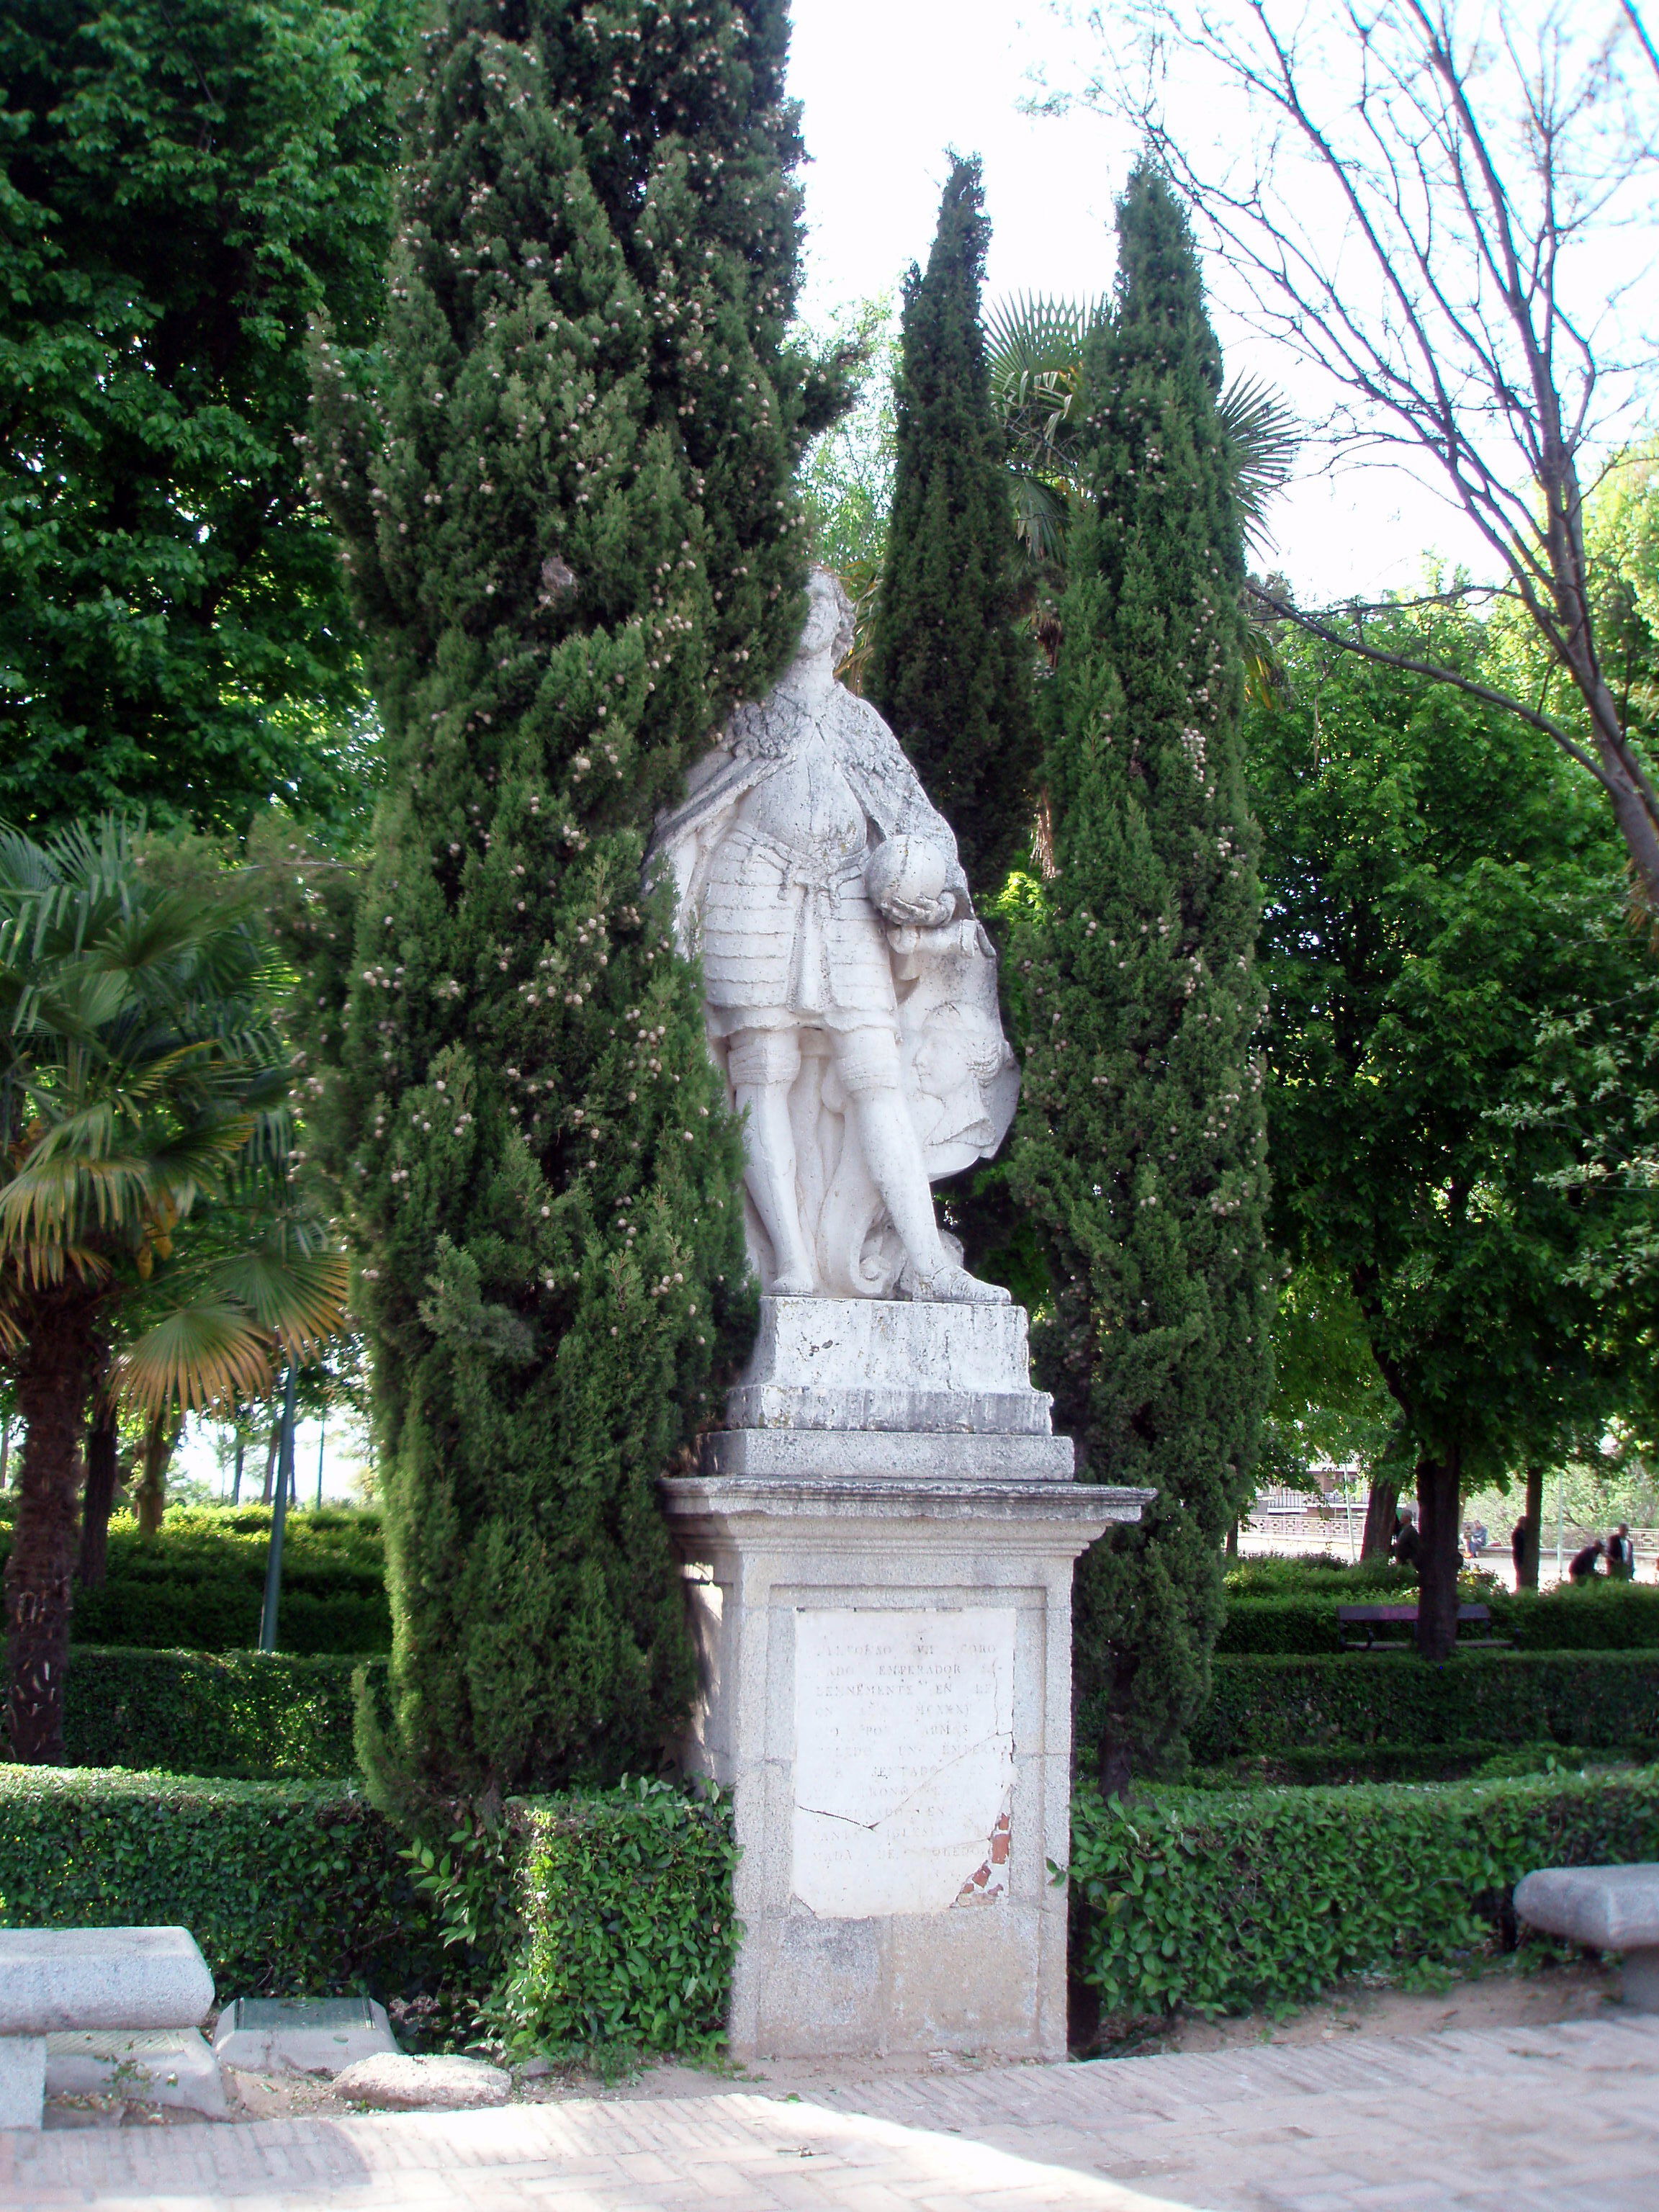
[
  {"x": 1614, "y": 1908},
  {"x": 1370, "y": 1618},
  {"x": 54, "y": 1980}
]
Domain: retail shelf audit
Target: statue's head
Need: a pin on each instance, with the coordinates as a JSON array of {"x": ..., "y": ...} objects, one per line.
[{"x": 829, "y": 624}]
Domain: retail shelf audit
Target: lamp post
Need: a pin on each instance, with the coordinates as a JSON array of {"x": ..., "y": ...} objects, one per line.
[{"x": 278, "y": 1519}]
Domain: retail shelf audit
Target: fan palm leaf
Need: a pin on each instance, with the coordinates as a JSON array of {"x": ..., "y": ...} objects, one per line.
[
  {"x": 1035, "y": 348},
  {"x": 143, "y": 1107},
  {"x": 1261, "y": 431}
]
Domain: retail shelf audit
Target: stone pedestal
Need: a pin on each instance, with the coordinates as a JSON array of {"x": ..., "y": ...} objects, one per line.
[{"x": 879, "y": 1554}]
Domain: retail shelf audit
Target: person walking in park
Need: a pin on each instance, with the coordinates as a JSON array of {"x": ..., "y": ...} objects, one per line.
[
  {"x": 1585, "y": 1565},
  {"x": 1622, "y": 1554},
  {"x": 1407, "y": 1544},
  {"x": 1518, "y": 1548}
]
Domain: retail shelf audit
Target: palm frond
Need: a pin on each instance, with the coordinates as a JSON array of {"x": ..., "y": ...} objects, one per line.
[
  {"x": 1264, "y": 438},
  {"x": 1040, "y": 518},
  {"x": 205, "y": 1353},
  {"x": 298, "y": 1298},
  {"x": 1031, "y": 335}
]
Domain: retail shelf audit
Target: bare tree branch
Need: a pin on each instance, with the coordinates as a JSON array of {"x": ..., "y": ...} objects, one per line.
[
  {"x": 1641, "y": 30},
  {"x": 1321, "y": 626},
  {"x": 1482, "y": 153}
]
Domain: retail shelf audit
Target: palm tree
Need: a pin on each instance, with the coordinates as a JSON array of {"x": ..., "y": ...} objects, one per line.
[
  {"x": 145, "y": 1200},
  {"x": 1035, "y": 348}
]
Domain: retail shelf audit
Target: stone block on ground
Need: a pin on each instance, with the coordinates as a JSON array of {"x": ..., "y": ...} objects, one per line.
[
  {"x": 158, "y": 2066},
  {"x": 22, "y": 2080},
  {"x": 400, "y": 2083},
  {"x": 302, "y": 2035},
  {"x": 1614, "y": 1908},
  {"x": 54, "y": 1978}
]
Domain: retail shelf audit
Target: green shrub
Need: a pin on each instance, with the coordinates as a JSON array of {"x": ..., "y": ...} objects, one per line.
[
  {"x": 1595, "y": 1698},
  {"x": 1303, "y": 1624},
  {"x": 1277, "y": 1574},
  {"x": 1215, "y": 1903},
  {"x": 1458, "y": 1760},
  {"x": 199, "y": 1585},
  {"x": 289, "y": 1887},
  {"x": 1603, "y": 1616},
  {"x": 261, "y": 1716},
  {"x": 628, "y": 1937}
]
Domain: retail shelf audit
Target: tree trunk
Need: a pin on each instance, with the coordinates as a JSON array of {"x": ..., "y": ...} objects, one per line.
[
  {"x": 236, "y": 1480},
  {"x": 151, "y": 1495},
  {"x": 1232, "y": 1540},
  {"x": 55, "y": 1371},
  {"x": 1116, "y": 1769},
  {"x": 270, "y": 1462},
  {"x": 1380, "y": 1508},
  {"x": 1533, "y": 1518},
  {"x": 1439, "y": 1490},
  {"x": 103, "y": 1442}
]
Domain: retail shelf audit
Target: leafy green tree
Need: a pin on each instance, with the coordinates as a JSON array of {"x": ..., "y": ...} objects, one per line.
[
  {"x": 182, "y": 185},
  {"x": 1329, "y": 1403},
  {"x": 1444, "y": 935},
  {"x": 568, "y": 515},
  {"x": 847, "y": 475},
  {"x": 144, "y": 1203},
  {"x": 1139, "y": 1147},
  {"x": 950, "y": 661}
]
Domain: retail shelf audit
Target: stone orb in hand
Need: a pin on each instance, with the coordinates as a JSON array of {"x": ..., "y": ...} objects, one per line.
[{"x": 905, "y": 878}]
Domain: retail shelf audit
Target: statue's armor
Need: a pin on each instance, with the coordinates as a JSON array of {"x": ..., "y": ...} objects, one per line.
[{"x": 789, "y": 936}]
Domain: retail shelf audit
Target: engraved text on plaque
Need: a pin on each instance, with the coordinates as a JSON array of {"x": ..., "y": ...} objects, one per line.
[{"x": 904, "y": 1758}]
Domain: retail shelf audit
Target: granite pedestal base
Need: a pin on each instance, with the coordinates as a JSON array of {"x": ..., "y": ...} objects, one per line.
[{"x": 885, "y": 1657}]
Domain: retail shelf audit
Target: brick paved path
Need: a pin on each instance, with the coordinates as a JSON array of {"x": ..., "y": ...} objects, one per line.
[{"x": 1557, "y": 2119}]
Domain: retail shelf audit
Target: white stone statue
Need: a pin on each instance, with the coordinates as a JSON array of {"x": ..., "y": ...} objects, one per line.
[{"x": 852, "y": 996}]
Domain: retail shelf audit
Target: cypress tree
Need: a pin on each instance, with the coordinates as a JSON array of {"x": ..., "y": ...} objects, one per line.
[
  {"x": 565, "y": 501},
  {"x": 1139, "y": 1146},
  {"x": 949, "y": 665}
]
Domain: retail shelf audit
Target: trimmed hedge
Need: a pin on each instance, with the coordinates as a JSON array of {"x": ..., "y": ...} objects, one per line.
[
  {"x": 199, "y": 1585},
  {"x": 1598, "y": 1699},
  {"x": 618, "y": 1924},
  {"x": 1606, "y": 1616},
  {"x": 290, "y": 1887},
  {"x": 1462, "y": 1759},
  {"x": 262, "y": 1715},
  {"x": 1217, "y": 1903},
  {"x": 629, "y": 1934}
]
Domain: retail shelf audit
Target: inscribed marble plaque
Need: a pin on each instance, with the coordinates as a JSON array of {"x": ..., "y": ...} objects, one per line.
[{"x": 904, "y": 1758}]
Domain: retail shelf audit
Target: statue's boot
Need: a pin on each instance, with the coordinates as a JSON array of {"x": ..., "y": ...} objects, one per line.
[{"x": 949, "y": 1285}]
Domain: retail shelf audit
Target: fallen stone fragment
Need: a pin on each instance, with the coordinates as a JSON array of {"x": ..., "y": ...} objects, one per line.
[{"x": 394, "y": 2082}]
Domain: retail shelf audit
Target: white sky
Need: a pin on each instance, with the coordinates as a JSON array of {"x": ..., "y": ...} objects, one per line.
[{"x": 888, "y": 85}]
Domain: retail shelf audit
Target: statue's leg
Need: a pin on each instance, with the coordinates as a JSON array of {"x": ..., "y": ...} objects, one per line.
[
  {"x": 867, "y": 1061},
  {"x": 762, "y": 1065}
]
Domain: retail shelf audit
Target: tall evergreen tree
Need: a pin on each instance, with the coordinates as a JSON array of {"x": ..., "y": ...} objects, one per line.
[
  {"x": 182, "y": 185},
  {"x": 1139, "y": 1147},
  {"x": 568, "y": 507},
  {"x": 949, "y": 665}
]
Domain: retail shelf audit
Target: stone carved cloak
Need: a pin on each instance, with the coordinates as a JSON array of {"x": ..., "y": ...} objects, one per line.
[{"x": 961, "y": 1079}]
